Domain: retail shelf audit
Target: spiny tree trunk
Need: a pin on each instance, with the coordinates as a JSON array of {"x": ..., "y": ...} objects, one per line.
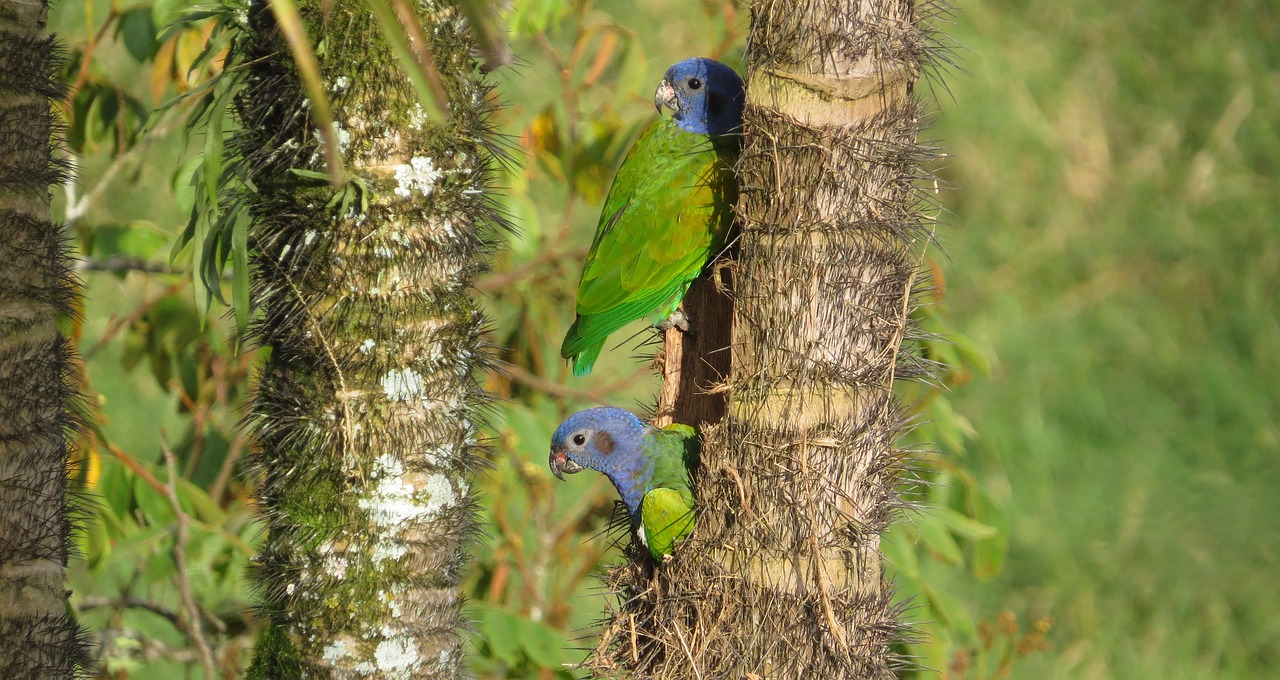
[
  {"x": 782, "y": 577},
  {"x": 38, "y": 638},
  {"x": 368, "y": 406}
]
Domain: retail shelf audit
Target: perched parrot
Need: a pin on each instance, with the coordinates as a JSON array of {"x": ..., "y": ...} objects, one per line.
[
  {"x": 649, "y": 467},
  {"x": 668, "y": 212}
]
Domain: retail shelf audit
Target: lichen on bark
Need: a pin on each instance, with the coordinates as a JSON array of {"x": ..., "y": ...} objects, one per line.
[{"x": 368, "y": 407}]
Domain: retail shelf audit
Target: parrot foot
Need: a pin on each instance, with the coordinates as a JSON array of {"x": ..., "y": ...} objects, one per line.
[{"x": 678, "y": 319}]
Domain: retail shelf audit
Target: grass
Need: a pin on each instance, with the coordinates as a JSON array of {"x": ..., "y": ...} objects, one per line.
[{"x": 1116, "y": 193}]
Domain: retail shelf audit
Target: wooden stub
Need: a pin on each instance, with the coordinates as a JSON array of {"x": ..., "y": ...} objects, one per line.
[{"x": 695, "y": 362}]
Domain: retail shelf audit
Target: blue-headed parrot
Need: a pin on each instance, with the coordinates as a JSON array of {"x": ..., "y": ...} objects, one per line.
[
  {"x": 669, "y": 210},
  {"x": 649, "y": 467}
]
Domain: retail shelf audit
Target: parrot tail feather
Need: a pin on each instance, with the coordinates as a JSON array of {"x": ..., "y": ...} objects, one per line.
[{"x": 583, "y": 362}]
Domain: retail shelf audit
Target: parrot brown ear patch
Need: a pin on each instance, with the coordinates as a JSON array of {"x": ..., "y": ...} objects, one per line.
[
  {"x": 715, "y": 103},
  {"x": 603, "y": 442}
]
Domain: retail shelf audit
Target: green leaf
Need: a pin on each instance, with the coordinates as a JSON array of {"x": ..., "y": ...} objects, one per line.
[
  {"x": 310, "y": 174},
  {"x": 138, "y": 29},
  {"x": 138, "y": 238},
  {"x": 502, "y": 630},
  {"x": 964, "y": 526},
  {"x": 936, "y": 536},
  {"x": 240, "y": 270},
  {"x": 542, "y": 644},
  {"x": 951, "y": 613},
  {"x": 153, "y": 504},
  {"x": 898, "y": 549},
  {"x": 97, "y": 542},
  {"x": 989, "y": 553}
]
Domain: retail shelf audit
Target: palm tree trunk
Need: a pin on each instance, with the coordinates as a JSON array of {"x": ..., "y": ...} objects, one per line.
[
  {"x": 38, "y": 638},
  {"x": 782, "y": 577},
  {"x": 369, "y": 403}
]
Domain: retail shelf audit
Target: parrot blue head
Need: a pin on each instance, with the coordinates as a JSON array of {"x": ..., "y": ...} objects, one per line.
[
  {"x": 707, "y": 96},
  {"x": 608, "y": 440}
]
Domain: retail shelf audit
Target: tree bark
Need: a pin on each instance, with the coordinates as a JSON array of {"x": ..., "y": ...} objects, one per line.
[
  {"x": 38, "y": 414},
  {"x": 369, "y": 405},
  {"x": 782, "y": 576}
]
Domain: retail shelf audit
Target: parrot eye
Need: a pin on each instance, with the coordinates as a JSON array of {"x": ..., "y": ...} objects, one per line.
[
  {"x": 694, "y": 84},
  {"x": 579, "y": 439}
]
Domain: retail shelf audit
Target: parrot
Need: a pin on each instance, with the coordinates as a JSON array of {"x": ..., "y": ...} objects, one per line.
[
  {"x": 668, "y": 212},
  {"x": 649, "y": 467}
]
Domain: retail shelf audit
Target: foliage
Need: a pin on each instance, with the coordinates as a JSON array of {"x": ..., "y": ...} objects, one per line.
[
  {"x": 160, "y": 364},
  {"x": 1114, "y": 261}
]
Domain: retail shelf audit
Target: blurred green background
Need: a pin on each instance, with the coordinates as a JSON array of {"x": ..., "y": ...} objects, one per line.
[{"x": 1111, "y": 190}]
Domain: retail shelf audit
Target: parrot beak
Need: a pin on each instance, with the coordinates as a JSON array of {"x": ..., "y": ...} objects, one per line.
[
  {"x": 562, "y": 465},
  {"x": 665, "y": 96}
]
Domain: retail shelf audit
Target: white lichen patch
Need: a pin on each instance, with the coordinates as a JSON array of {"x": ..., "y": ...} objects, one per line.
[
  {"x": 367, "y": 346},
  {"x": 383, "y": 252},
  {"x": 395, "y": 500},
  {"x": 439, "y": 494},
  {"x": 339, "y": 84},
  {"x": 401, "y": 496},
  {"x": 403, "y": 384},
  {"x": 419, "y": 175},
  {"x": 343, "y": 135},
  {"x": 417, "y": 117},
  {"x": 385, "y": 551},
  {"x": 397, "y": 654},
  {"x": 335, "y": 651}
]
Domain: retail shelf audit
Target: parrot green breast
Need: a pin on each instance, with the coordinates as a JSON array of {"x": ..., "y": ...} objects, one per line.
[
  {"x": 667, "y": 510},
  {"x": 668, "y": 212}
]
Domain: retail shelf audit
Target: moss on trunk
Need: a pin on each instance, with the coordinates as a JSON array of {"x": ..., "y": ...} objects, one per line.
[{"x": 369, "y": 404}]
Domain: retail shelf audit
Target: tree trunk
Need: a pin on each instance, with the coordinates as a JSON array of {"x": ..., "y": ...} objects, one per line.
[
  {"x": 38, "y": 638},
  {"x": 782, "y": 577},
  {"x": 369, "y": 403}
]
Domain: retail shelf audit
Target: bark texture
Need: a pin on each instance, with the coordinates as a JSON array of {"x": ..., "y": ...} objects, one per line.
[
  {"x": 782, "y": 576},
  {"x": 38, "y": 400},
  {"x": 368, "y": 407}
]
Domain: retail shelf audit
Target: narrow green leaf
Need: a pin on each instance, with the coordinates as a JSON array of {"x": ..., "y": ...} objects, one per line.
[
  {"x": 290, "y": 21},
  {"x": 240, "y": 270},
  {"x": 414, "y": 58},
  {"x": 199, "y": 286},
  {"x": 310, "y": 174},
  {"x": 213, "y": 155}
]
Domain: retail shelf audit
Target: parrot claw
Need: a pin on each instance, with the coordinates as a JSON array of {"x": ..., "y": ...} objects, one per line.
[{"x": 678, "y": 319}]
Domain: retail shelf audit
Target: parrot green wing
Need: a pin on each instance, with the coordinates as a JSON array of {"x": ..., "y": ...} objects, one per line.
[
  {"x": 666, "y": 516},
  {"x": 666, "y": 512},
  {"x": 669, "y": 210}
]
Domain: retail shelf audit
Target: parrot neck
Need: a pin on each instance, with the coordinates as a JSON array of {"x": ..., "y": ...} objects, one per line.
[{"x": 632, "y": 483}]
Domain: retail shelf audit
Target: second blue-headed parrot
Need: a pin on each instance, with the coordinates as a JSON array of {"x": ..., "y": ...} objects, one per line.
[{"x": 649, "y": 467}]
